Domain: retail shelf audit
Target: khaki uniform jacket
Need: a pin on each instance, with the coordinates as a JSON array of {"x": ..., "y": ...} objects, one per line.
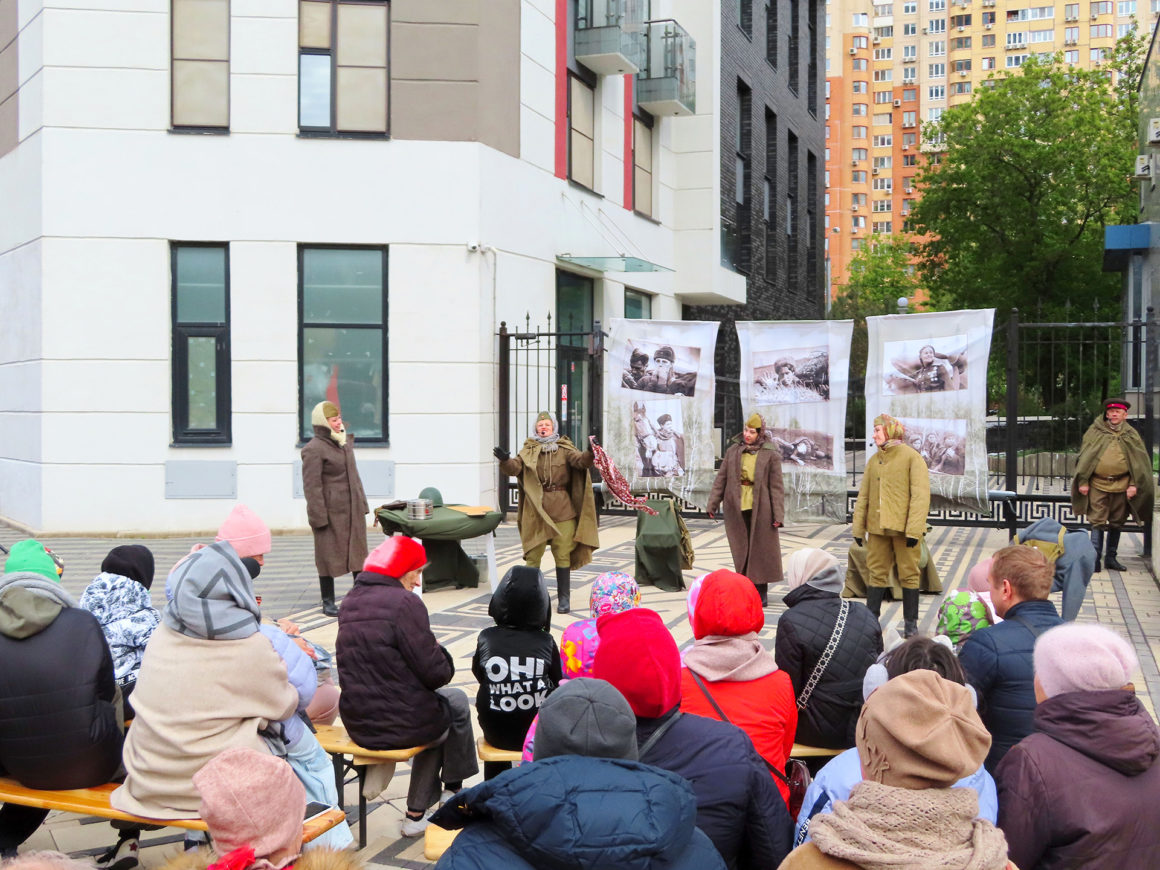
[
  {"x": 756, "y": 554},
  {"x": 894, "y": 498},
  {"x": 536, "y": 527},
  {"x": 335, "y": 504},
  {"x": 1097, "y": 438}
]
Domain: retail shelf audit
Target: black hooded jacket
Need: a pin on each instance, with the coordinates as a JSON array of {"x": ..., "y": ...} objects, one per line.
[{"x": 517, "y": 661}]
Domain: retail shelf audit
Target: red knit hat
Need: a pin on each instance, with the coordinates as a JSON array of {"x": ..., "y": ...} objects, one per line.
[
  {"x": 728, "y": 605},
  {"x": 640, "y": 658},
  {"x": 396, "y": 556},
  {"x": 247, "y": 533}
]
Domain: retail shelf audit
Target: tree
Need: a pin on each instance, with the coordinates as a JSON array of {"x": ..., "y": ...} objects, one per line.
[
  {"x": 1032, "y": 169},
  {"x": 880, "y": 272}
]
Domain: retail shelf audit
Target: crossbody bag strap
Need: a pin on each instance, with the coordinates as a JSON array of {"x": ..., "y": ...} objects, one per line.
[
  {"x": 1035, "y": 632},
  {"x": 827, "y": 654},
  {"x": 657, "y": 735},
  {"x": 705, "y": 691}
]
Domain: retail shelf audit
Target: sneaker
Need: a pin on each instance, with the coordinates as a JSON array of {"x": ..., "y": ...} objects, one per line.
[
  {"x": 413, "y": 827},
  {"x": 122, "y": 856},
  {"x": 445, "y": 796}
]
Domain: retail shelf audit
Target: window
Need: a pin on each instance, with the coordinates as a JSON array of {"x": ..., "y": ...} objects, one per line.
[
  {"x": 959, "y": 43},
  {"x": 883, "y": 119},
  {"x": 910, "y": 7},
  {"x": 959, "y": 88},
  {"x": 886, "y": 184},
  {"x": 883, "y": 162},
  {"x": 859, "y": 110},
  {"x": 858, "y": 132},
  {"x": 1036, "y": 36},
  {"x": 858, "y": 153},
  {"x": 860, "y": 19},
  {"x": 937, "y": 5},
  {"x": 937, "y": 70},
  {"x": 642, "y": 167},
  {"x": 987, "y": 63},
  {"x": 883, "y": 53},
  {"x": 1071, "y": 11},
  {"x": 200, "y": 64},
  {"x": 884, "y": 140},
  {"x": 937, "y": 92},
  {"x": 857, "y": 222},
  {"x": 936, "y": 48},
  {"x": 909, "y": 119},
  {"x": 1101, "y": 7},
  {"x": 910, "y": 160},
  {"x": 908, "y": 184},
  {"x": 883, "y": 227},
  {"x": 200, "y": 311},
  {"x": 859, "y": 64},
  {"x": 909, "y": 140},
  {"x": 581, "y": 132},
  {"x": 883, "y": 96},
  {"x": 962, "y": 66},
  {"x": 883, "y": 75},
  {"x": 1123, "y": 30},
  {"x": 771, "y": 43},
  {"x": 881, "y": 205},
  {"x": 937, "y": 25},
  {"x": 861, "y": 42},
  {"x": 860, "y": 87},
  {"x": 342, "y": 339},
  {"x": 859, "y": 199},
  {"x": 881, "y": 9},
  {"x": 884, "y": 32},
  {"x": 858, "y": 176},
  {"x": 1014, "y": 60},
  {"x": 960, "y": 20},
  {"x": 342, "y": 67},
  {"x": 909, "y": 95},
  {"x": 909, "y": 52},
  {"x": 637, "y": 305},
  {"x": 1101, "y": 31},
  {"x": 988, "y": 18},
  {"x": 745, "y": 16},
  {"x": 1097, "y": 55},
  {"x": 1126, "y": 7},
  {"x": 909, "y": 74},
  {"x": 910, "y": 28},
  {"x": 1071, "y": 57},
  {"x": 1016, "y": 39},
  {"x": 1071, "y": 35},
  {"x": 934, "y": 115},
  {"x": 988, "y": 40}
]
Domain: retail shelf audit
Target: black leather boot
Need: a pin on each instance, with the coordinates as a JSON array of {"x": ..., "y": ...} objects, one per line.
[
  {"x": 874, "y": 596},
  {"x": 909, "y": 612},
  {"x": 563, "y": 590},
  {"x": 1098, "y": 543},
  {"x": 1111, "y": 561},
  {"x": 326, "y": 587},
  {"x": 763, "y": 591}
]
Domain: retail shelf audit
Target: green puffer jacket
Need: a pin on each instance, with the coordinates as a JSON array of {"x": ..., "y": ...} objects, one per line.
[{"x": 895, "y": 494}]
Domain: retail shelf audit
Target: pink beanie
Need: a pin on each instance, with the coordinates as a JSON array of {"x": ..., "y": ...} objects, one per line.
[
  {"x": 1082, "y": 658},
  {"x": 246, "y": 532},
  {"x": 979, "y": 579},
  {"x": 251, "y": 798}
]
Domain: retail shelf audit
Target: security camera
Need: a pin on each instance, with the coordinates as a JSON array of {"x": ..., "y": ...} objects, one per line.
[{"x": 473, "y": 247}]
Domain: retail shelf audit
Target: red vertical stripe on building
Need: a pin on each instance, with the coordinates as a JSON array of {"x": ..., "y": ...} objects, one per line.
[
  {"x": 561, "y": 88},
  {"x": 629, "y": 82}
]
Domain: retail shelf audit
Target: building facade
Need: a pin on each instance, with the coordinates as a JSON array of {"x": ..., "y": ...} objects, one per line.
[
  {"x": 216, "y": 213},
  {"x": 894, "y": 66}
]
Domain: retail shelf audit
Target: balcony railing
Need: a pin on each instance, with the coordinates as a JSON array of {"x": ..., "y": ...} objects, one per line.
[
  {"x": 610, "y": 35},
  {"x": 667, "y": 85}
]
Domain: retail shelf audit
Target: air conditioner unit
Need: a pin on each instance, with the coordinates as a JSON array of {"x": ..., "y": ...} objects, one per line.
[
  {"x": 876, "y": 40},
  {"x": 905, "y": 147},
  {"x": 1095, "y": 15},
  {"x": 874, "y": 171},
  {"x": 1154, "y": 131},
  {"x": 1072, "y": 18},
  {"x": 908, "y": 60},
  {"x": 1069, "y": 42},
  {"x": 1143, "y": 167},
  {"x": 854, "y": 163},
  {"x": 897, "y": 104},
  {"x": 988, "y": 26},
  {"x": 924, "y": 30},
  {"x": 961, "y": 28},
  {"x": 853, "y": 208},
  {"x": 853, "y": 51}
]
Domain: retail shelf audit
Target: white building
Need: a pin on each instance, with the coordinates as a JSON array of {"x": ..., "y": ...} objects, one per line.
[{"x": 214, "y": 211}]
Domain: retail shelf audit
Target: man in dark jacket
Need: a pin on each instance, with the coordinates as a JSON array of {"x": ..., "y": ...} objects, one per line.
[
  {"x": 393, "y": 671},
  {"x": 738, "y": 805},
  {"x": 997, "y": 659},
  {"x": 586, "y": 802},
  {"x": 58, "y": 697},
  {"x": 1082, "y": 790}
]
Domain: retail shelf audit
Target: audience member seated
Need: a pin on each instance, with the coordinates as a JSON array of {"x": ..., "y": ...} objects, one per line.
[
  {"x": 835, "y": 781},
  {"x": 119, "y": 598},
  {"x": 58, "y": 695},
  {"x": 587, "y": 802},
  {"x": 737, "y": 803},
  {"x": 516, "y": 661},
  {"x": 612, "y": 592},
  {"x": 965, "y": 611},
  {"x": 729, "y": 675},
  {"x": 997, "y": 660},
  {"x": 1071, "y": 570},
  {"x": 394, "y": 675},
  {"x": 918, "y": 734},
  {"x": 828, "y": 715},
  {"x": 208, "y": 682},
  {"x": 1083, "y": 790}
]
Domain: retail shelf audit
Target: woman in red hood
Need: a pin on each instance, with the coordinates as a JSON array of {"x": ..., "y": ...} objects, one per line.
[{"x": 727, "y": 670}]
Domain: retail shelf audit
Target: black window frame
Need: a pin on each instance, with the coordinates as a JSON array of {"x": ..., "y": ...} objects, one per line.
[
  {"x": 183, "y": 435},
  {"x": 383, "y": 327}
]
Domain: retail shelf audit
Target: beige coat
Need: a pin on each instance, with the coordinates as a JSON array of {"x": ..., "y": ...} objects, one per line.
[
  {"x": 894, "y": 498},
  {"x": 807, "y": 856},
  {"x": 335, "y": 504},
  {"x": 195, "y": 698},
  {"x": 756, "y": 553}
]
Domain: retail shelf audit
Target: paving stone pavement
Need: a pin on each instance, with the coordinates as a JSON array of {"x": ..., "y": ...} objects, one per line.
[{"x": 1128, "y": 601}]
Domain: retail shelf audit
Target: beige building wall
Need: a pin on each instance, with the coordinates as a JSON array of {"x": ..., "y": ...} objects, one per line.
[
  {"x": 455, "y": 71},
  {"x": 916, "y": 58}
]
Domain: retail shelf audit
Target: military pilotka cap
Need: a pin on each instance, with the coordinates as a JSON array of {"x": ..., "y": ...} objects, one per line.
[{"x": 1117, "y": 403}]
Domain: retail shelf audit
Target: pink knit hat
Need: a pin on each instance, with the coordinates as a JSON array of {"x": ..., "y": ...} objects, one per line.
[
  {"x": 1082, "y": 658},
  {"x": 979, "y": 578},
  {"x": 251, "y": 798},
  {"x": 246, "y": 532}
]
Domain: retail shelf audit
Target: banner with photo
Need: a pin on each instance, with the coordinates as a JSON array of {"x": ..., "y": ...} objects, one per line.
[
  {"x": 930, "y": 371},
  {"x": 795, "y": 374},
  {"x": 658, "y": 405}
]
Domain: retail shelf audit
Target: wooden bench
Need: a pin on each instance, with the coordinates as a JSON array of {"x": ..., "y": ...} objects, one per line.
[
  {"x": 337, "y": 743},
  {"x": 800, "y": 750},
  {"x": 437, "y": 840},
  {"x": 487, "y": 752},
  {"x": 95, "y": 802}
]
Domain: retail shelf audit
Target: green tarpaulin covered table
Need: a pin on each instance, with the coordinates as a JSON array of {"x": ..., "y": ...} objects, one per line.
[{"x": 662, "y": 547}]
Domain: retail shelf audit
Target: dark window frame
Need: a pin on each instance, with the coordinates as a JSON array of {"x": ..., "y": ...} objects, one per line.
[
  {"x": 383, "y": 328},
  {"x": 639, "y": 294},
  {"x": 182, "y": 434},
  {"x": 332, "y": 131}
]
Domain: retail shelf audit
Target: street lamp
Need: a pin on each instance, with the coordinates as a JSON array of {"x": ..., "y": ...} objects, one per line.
[{"x": 903, "y": 305}]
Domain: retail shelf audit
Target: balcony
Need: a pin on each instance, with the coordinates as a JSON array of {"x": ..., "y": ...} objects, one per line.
[
  {"x": 667, "y": 85},
  {"x": 610, "y": 35}
]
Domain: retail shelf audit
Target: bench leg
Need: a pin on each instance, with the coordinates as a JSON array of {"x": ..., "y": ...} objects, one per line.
[
  {"x": 362, "y": 806},
  {"x": 337, "y": 760}
]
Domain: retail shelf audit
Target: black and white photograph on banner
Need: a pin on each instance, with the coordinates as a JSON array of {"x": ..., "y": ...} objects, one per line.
[
  {"x": 660, "y": 368},
  {"x": 926, "y": 365},
  {"x": 791, "y": 376},
  {"x": 660, "y": 438},
  {"x": 803, "y": 448},
  {"x": 942, "y": 444}
]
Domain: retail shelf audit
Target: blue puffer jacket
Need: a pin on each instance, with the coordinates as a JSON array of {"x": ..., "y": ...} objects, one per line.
[
  {"x": 1073, "y": 570},
  {"x": 998, "y": 663},
  {"x": 575, "y": 812},
  {"x": 301, "y": 674}
]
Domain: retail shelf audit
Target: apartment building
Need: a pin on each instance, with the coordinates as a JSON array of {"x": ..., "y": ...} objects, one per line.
[
  {"x": 893, "y": 66},
  {"x": 216, "y": 213}
]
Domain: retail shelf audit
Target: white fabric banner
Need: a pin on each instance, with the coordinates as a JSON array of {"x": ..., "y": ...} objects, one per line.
[
  {"x": 930, "y": 371},
  {"x": 795, "y": 374},
  {"x": 658, "y": 405}
]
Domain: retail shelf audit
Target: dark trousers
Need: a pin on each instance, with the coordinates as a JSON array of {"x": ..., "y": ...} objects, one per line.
[{"x": 17, "y": 824}]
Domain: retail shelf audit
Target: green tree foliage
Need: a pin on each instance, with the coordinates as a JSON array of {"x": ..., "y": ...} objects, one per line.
[
  {"x": 1032, "y": 170},
  {"x": 879, "y": 274}
]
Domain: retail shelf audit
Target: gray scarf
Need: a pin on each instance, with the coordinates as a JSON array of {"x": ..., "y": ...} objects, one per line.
[
  {"x": 548, "y": 442},
  {"x": 213, "y": 596}
]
